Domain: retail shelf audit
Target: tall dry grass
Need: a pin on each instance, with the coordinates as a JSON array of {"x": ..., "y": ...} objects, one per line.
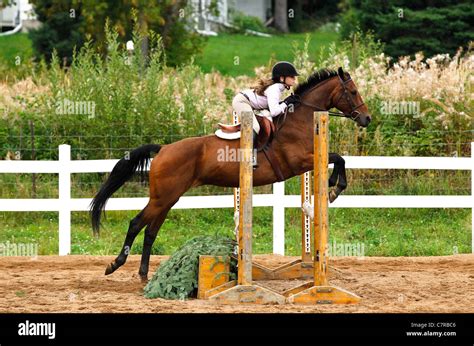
[{"x": 158, "y": 103}]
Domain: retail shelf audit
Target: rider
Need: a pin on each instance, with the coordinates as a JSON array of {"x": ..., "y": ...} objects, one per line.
[{"x": 266, "y": 96}]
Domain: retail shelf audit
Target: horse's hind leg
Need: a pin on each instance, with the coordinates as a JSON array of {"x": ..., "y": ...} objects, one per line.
[
  {"x": 151, "y": 231},
  {"x": 173, "y": 172},
  {"x": 136, "y": 224},
  {"x": 161, "y": 207}
]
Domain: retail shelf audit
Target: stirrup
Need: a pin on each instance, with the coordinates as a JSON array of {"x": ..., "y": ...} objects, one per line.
[{"x": 254, "y": 161}]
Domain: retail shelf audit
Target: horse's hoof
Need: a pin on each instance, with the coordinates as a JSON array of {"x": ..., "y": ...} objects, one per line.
[
  {"x": 332, "y": 196},
  {"x": 144, "y": 278},
  {"x": 110, "y": 269}
]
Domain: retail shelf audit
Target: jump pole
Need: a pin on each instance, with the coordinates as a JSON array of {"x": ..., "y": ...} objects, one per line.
[
  {"x": 319, "y": 291},
  {"x": 243, "y": 290}
]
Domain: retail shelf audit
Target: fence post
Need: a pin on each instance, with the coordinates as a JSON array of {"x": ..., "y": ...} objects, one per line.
[
  {"x": 279, "y": 218},
  {"x": 64, "y": 200}
]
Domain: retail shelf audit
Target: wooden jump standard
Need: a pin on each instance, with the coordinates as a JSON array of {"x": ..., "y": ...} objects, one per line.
[
  {"x": 243, "y": 290},
  {"x": 318, "y": 291},
  {"x": 301, "y": 268}
]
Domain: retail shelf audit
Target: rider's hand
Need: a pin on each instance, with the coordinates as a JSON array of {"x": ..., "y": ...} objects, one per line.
[{"x": 292, "y": 99}]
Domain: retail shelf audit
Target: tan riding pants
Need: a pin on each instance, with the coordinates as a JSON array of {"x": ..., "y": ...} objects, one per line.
[{"x": 241, "y": 104}]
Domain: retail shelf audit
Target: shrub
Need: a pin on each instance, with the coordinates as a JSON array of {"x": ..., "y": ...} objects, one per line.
[
  {"x": 440, "y": 85},
  {"x": 244, "y": 22},
  {"x": 177, "y": 278}
]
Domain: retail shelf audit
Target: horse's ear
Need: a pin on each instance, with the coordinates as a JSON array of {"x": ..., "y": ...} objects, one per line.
[{"x": 340, "y": 72}]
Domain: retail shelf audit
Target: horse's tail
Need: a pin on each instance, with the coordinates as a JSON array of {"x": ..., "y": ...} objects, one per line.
[{"x": 123, "y": 171}]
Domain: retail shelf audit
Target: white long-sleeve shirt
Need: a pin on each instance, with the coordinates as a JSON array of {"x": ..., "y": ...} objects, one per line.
[{"x": 270, "y": 101}]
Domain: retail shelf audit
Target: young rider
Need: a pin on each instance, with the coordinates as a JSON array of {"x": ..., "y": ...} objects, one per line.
[{"x": 266, "y": 96}]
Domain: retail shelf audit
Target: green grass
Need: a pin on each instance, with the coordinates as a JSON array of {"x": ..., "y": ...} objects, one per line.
[
  {"x": 221, "y": 52},
  {"x": 15, "y": 45},
  {"x": 384, "y": 232}
]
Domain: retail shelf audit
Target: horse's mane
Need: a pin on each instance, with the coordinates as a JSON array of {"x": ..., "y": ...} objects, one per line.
[{"x": 314, "y": 79}]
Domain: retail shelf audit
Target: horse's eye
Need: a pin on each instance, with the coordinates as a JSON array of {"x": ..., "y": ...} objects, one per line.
[{"x": 354, "y": 92}]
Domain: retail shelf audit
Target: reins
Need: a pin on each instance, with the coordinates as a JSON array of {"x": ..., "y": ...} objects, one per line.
[{"x": 353, "y": 115}]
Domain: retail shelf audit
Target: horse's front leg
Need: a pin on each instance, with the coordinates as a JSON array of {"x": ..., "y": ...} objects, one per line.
[{"x": 338, "y": 176}]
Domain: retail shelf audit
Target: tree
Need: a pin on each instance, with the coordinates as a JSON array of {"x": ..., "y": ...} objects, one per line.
[
  {"x": 281, "y": 15},
  {"x": 308, "y": 15},
  {"x": 163, "y": 17},
  {"x": 5, "y": 3},
  {"x": 61, "y": 29},
  {"x": 407, "y": 26}
]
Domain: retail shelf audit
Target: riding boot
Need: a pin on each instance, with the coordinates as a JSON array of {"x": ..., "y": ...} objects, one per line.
[{"x": 254, "y": 152}]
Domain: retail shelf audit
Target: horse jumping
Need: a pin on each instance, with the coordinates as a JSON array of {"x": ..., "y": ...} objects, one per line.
[{"x": 192, "y": 162}]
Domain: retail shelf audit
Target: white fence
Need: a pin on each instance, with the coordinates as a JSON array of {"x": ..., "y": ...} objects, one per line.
[{"x": 278, "y": 200}]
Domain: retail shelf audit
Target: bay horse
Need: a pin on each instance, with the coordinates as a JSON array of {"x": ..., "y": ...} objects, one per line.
[{"x": 192, "y": 162}]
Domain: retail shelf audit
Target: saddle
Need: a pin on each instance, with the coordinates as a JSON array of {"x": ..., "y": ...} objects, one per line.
[
  {"x": 264, "y": 141},
  {"x": 229, "y": 128},
  {"x": 265, "y": 136}
]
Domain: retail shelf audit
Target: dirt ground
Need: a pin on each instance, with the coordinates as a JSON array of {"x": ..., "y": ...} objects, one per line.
[{"x": 78, "y": 284}]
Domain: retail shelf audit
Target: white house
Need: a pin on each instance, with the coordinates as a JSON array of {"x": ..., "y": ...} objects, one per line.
[
  {"x": 207, "y": 23},
  {"x": 18, "y": 16}
]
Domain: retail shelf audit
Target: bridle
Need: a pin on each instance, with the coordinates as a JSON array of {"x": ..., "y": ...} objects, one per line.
[{"x": 354, "y": 114}]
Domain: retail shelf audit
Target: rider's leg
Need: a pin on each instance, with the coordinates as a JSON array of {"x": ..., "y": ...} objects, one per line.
[{"x": 241, "y": 104}]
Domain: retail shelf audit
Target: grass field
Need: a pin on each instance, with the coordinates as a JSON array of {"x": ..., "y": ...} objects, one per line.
[
  {"x": 383, "y": 232},
  {"x": 236, "y": 55},
  {"x": 13, "y": 46},
  {"x": 232, "y": 55}
]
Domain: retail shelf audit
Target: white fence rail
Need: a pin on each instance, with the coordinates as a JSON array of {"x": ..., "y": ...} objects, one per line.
[{"x": 278, "y": 200}]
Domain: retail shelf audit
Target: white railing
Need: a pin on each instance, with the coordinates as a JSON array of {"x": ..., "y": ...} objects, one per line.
[{"x": 278, "y": 200}]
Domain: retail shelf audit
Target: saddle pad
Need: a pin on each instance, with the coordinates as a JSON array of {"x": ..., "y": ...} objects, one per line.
[{"x": 229, "y": 136}]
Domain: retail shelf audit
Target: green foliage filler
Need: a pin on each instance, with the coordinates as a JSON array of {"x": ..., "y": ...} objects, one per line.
[
  {"x": 244, "y": 22},
  {"x": 70, "y": 23},
  {"x": 407, "y": 27},
  {"x": 177, "y": 278},
  {"x": 61, "y": 29}
]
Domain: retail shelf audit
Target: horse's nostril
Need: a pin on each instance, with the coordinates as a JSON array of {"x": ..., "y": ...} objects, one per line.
[{"x": 369, "y": 119}]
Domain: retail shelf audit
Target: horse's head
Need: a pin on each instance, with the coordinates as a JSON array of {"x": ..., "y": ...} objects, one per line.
[
  {"x": 326, "y": 89},
  {"x": 348, "y": 100}
]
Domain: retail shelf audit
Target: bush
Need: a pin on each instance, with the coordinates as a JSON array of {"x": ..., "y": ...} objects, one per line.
[
  {"x": 156, "y": 103},
  {"x": 440, "y": 86},
  {"x": 244, "y": 22}
]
